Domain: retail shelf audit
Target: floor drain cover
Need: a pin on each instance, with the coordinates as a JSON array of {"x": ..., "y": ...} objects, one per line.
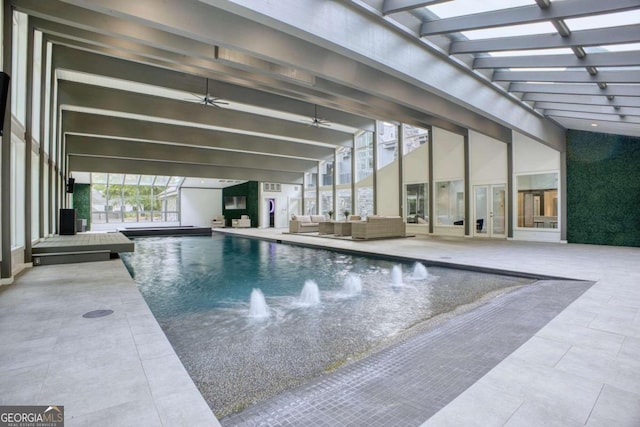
[{"x": 97, "y": 313}]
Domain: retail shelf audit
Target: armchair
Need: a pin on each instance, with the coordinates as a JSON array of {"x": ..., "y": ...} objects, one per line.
[
  {"x": 218, "y": 222},
  {"x": 243, "y": 222}
]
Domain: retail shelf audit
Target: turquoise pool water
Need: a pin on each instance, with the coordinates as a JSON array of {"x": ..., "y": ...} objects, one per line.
[{"x": 199, "y": 290}]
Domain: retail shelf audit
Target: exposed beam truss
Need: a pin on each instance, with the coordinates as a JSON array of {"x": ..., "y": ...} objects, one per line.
[
  {"x": 576, "y": 89},
  {"x": 525, "y": 14},
  {"x": 594, "y": 117},
  {"x": 598, "y": 109},
  {"x": 609, "y": 59},
  {"x": 598, "y": 37},
  {"x": 624, "y": 76},
  {"x": 118, "y": 127},
  {"x": 141, "y": 150},
  {"x": 149, "y": 167},
  {"x": 620, "y": 101}
]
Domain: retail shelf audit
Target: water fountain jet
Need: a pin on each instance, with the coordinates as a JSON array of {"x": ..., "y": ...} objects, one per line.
[
  {"x": 396, "y": 276},
  {"x": 352, "y": 284},
  {"x": 310, "y": 294},
  {"x": 258, "y": 307},
  {"x": 419, "y": 272}
]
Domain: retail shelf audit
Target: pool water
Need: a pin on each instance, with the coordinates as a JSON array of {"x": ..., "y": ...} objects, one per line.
[{"x": 199, "y": 289}]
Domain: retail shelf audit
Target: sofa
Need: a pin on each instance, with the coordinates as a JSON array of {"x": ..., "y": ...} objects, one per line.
[
  {"x": 243, "y": 222},
  {"x": 378, "y": 227},
  {"x": 305, "y": 223}
]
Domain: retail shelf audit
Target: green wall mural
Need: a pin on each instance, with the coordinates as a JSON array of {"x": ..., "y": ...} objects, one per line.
[
  {"x": 603, "y": 189},
  {"x": 82, "y": 202},
  {"x": 248, "y": 189}
]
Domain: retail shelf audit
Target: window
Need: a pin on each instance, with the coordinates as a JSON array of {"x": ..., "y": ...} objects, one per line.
[
  {"x": 387, "y": 143},
  {"x": 344, "y": 165},
  {"x": 364, "y": 202},
  {"x": 119, "y": 198},
  {"x": 364, "y": 155},
  {"x": 327, "y": 173},
  {"x": 344, "y": 202},
  {"x": 450, "y": 202},
  {"x": 413, "y": 138},
  {"x": 417, "y": 203},
  {"x": 538, "y": 200},
  {"x": 326, "y": 202}
]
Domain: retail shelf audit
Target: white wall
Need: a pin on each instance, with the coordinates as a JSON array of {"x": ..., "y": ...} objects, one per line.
[
  {"x": 448, "y": 165},
  {"x": 387, "y": 197},
  {"x": 198, "y": 206},
  {"x": 488, "y": 160},
  {"x": 284, "y": 209},
  {"x": 530, "y": 157}
]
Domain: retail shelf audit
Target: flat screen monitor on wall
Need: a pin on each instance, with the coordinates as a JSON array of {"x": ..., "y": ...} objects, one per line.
[{"x": 235, "y": 202}]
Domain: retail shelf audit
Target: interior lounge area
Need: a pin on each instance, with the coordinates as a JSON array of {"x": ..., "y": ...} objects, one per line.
[{"x": 498, "y": 136}]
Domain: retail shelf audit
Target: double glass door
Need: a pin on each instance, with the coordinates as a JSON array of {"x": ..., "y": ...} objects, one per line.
[{"x": 490, "y": 208}]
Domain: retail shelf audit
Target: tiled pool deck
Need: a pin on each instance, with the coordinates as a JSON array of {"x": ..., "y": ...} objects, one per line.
[{"x": 582, "y": 367}]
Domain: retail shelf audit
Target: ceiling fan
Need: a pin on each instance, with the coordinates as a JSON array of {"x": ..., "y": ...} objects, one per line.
[
  {"x": 316, "y": 121},
  {"x": 207, "y": 99}
]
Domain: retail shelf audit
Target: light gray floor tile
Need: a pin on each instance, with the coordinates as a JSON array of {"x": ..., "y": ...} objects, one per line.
[
  {"x": 602, "y": 367},
  {"x": 616, "y": 407}
]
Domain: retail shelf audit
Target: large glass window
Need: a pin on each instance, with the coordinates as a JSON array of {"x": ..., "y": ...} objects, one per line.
[
  {"x": 364, "y": 201},
  {"x": 450, "y": 202},
  {"x": 387, "y": 143},
  {"x": 326, "y": 169},
  {"x": 538, "y": 200},
  {"x": 326, "y": 203},
  {"x": 364, "y": 155},
  {"x": 417, "y": 203},
  {"x": 344, "y": 203},
  {"x": 344, "y": 165},
  {"x": 413, "y": 138},
  {"x": 120, "y": 198}
]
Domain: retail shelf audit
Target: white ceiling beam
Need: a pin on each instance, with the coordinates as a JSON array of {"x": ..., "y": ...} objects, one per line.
[
  {"x": 142, "y": 150},
  {"x": 594, "y": 117},
  {"x": 620, "y": 101},
  {"x": 597, "y": 37},
  {"x": 599, "y": 109},
  {"x": 575, "y": 89},
  {"x": 126, "y": 128},
  {"x": 622, "y": 76},
  {"x": 147, "y": 167},
  {"x": 524, "y": 15},
  {"x": 609, "y": 59}
]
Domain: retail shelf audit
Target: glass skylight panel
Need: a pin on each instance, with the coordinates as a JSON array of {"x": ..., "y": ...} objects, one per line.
[
  {"x": 533, "y": 52},
  {"x": 116, "y": 178},
  {"x": 98, "y": 178},
  {"x": 511, "y": 31},
  {"x": 131, "y": 179},
  {"x": 146, "y": 179},
  {"x": 469, "y": 7},
  {"x": 161, "y": 181},
  {"x": 614, "y": 48},
  {"x": 604, "y": 21}
]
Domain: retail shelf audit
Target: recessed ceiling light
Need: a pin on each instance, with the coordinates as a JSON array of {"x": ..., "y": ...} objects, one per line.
[{"x": 594, "y": 124}]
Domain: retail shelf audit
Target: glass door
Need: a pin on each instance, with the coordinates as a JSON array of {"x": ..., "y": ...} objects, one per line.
[{"x": 489, "y": 210}]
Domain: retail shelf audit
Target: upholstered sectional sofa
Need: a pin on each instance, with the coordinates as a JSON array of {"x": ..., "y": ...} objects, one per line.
[
  {"x": 378, "y": 227},
  {"x": 305, "y": 223}
]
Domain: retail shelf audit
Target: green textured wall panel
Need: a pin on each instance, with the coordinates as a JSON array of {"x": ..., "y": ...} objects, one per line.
[
  {"x": 82, "y": 202},
  {"x": 248, "y": 189},
  {"x": 603, "y": 189}
]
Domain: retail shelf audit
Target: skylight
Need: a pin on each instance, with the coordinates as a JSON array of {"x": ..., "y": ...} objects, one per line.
[
  {"x": 604, "y": 21},
  {"x": 469, "y": 7},
  {"x": 511, "y": 31}
]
